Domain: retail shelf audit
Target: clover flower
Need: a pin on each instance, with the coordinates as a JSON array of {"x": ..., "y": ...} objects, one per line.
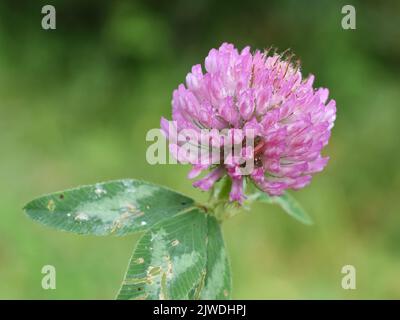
[{"x": 262, "y": 93}]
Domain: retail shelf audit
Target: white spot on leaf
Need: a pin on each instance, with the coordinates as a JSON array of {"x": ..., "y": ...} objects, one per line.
[
  {"x": 99, "y": 191},
  {"x": 175, "y": 242},
  {"x": 81, "y": 217},
  {"x": 139, "y": 260},
  {"x": 129, "y": 186}
]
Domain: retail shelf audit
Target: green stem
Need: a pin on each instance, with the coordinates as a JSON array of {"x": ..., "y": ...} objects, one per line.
[{"x": 218, "y": 203}]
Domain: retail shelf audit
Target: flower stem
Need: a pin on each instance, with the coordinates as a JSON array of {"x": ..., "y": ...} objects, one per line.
[{"x": 218, "y": 204}]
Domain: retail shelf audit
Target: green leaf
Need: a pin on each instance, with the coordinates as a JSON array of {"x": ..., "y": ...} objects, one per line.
[
  {"x": 181, "y": 258},
  {"x": 287, "y": 203},
  {"x": 168, "y": 259},
  {"x": 116, "y": 207},
  {"x": 181, "y": 255},
  {"x": 217, "y": 283}
]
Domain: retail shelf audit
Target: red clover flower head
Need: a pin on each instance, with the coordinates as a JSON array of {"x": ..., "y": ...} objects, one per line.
[{"x": 260, "y": 105}]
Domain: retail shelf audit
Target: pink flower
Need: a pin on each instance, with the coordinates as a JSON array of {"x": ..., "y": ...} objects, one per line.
[{"x": 291, "y": 121}]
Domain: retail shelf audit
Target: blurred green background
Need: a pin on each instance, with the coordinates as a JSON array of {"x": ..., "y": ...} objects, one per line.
[{"x": 76, "y": 103}]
